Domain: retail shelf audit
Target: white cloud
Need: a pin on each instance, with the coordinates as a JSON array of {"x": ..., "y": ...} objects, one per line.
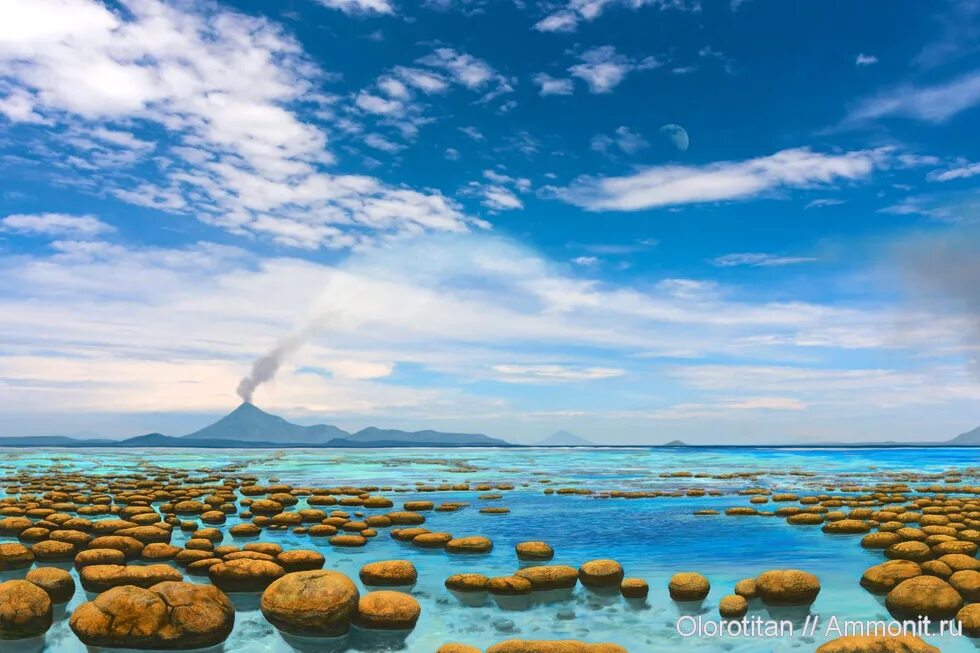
[
  {"x": 568, "y": 18},
  {"x": 603, "y": 69},
  {"x": 585, "y": 261},
  {"x": 551, "y": 373},
  {"x": 963, "y": 171},
  {"x": 759, "y": 259},
  {"x": 471, "y": 72},
  {"x": 934, "y": 103},
  {"x": 359, "y": 6},
  {"x": 233, "y": 93},
  {"x": 823, "y": 203},
  {"x": 865, "y": 60},
  {"x": 671, "y": 185},
  {"x": 55, "y": 224},
  {"x": 626, "y": 140},
  {"x": 549, "y": 85}
]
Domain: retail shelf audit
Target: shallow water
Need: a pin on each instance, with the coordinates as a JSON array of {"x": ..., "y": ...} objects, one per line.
[{"x": 652, "y": 538}]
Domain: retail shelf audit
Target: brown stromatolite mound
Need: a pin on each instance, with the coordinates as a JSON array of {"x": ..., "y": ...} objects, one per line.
[
  {"x": 634, "y": 588},
  {"x": 454, "y": 647},
  {"x": 432, "y": 540},
  {"x": 534, "y": 551},
  {"x": 244, "y": 574},
  {"x": 300, "y": 560},
  {"x": 909, "y": 550},
  {"x": 169, "y": 615},
  {"x": 130, "y": 546},
  {"x": 967, "y": 583},
  {"x": 880, "y": 540},
  {"x": 550, "y": 577},
  {"x": 53, "y": 551},
  {"x": 882, "y": 578},
  {"x": 923, "y": 596},
  {"x": 245, "y": 530},
  {"x": 508, "y": 586},
  {"x": 99, "y": 557},
  {"x": 467, "y": 583},
  {"x": 601, "y": 573},
  {"x": 389, "y": 573},
  {"x": 688, "y": 586},
  {"x": 960, "y": 561},
  {"x": 348, "y": 540},
  {"x": 15, "y": 556},
  {"x": 315, "y": 603},
  {"x": 159, "y": 551},
  {"x": 99, "y": 578},
  {"x": 787, "y": 587},
  {"x": 553, "y": 646},
  {"x": 733, "y": 606},
  {"x": 746, "y": 588},
  {"x": 25, "y": 610},
  {"x": 471, "y": 544},
  {"x": 58, "y": 583},
  {"x": 387, "y": 610},
  {"x": 877, "y": 644},
  {"x": 969, "y": 618}
]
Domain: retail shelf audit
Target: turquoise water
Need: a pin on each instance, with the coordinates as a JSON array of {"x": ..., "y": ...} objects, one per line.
[{"x": 652, "y": 538}]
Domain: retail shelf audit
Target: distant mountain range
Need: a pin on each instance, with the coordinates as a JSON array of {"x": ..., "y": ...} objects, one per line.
[{"x": 251, "y": 427}]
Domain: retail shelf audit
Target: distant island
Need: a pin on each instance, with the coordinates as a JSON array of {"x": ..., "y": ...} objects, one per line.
[{"x": 250, "y": 427}]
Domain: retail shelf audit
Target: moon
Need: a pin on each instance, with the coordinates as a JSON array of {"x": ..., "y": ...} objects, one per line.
[{"x": 676, "y": 135}]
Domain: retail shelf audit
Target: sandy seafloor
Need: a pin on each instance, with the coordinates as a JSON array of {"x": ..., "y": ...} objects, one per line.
[{"x": 652, "y": 538}]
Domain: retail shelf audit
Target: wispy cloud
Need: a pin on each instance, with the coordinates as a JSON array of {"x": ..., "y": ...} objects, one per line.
[
  {"x": 55, "y": 224},
  {"x": 568, "y": 17},
  {"x": 964, "y": 170},
  {"x": 672, "y": 185},
  {"x": 359, "y": 6},
  {"x": 935, "y": 103},
  {"x": 548, "y": 85},
  {"x": 759, "y": 260},
  {"x": 623, "y": 138},
  {"x": 865, "y": 60},
  {"x": 552, "y": 373}
]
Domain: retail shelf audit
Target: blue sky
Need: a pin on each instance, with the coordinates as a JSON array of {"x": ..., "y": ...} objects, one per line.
[{"x": 738, "y": 221}]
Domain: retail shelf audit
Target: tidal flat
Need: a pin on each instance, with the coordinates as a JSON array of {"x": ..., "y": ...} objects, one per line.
[{"x": 412, "y": 549}]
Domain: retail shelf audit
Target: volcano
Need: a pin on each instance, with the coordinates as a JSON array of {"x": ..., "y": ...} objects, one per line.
[{"x": 249, "y": 423}]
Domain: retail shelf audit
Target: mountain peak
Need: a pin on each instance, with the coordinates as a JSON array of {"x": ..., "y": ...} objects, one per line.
[
  {"x": 565, "y": 438},
  {"x": 249, "y": 423}
]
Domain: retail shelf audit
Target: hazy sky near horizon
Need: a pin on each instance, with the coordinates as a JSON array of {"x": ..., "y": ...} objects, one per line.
[{"x": 720, "y": 221}]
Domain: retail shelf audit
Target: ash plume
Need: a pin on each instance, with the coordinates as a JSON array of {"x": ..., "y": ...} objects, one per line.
[{"x": 265, "y": 367}]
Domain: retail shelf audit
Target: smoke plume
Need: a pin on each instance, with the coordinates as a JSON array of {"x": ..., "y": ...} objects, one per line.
[{"x": 265, "y": 367}]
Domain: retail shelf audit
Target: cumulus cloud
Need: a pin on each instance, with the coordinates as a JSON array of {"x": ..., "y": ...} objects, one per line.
[
  {"x": 626, "y": 140},
  {"x": 55, "y": 224},
  {"x": 548, "y": 85},
  {"x": 603, "y": 69},
  {"x": 359, "y": 6},
  {"x": 238, "y": 98},
  {"x": 671, "y": 185},
  {"x": 865, "y": 60}
]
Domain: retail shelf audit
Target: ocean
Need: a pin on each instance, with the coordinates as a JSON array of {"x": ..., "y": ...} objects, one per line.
[{"x": 652, "y": 538}]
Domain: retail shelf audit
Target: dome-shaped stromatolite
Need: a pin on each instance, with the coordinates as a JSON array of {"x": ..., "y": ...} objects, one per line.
[
  {"x": 387, "y": 610},
  {"x": 348, "y": 540},
  {"x": 553, "y": 646},
  {"x": 880, "y": 579},
  {"x": 315, "y": 603},
  {"x": 688, "y": 586},
  {"x": 53, "y": 551},
  {"x": 634, "y": 588},
  {"x": 746, "y": 588},
  {"x": 733, "y": 606},
  {"x": 877, "y": 644},
  {"x": 58, "y": 583},
  {"x": 15, "y": 556},
  {"x": 508, "y": 586},
  {"x": 846, "y": 527},
  {"x": 909, "y": 550},
  {"x": 967, "y": 583},
  {"x": 534, "y": 551},
  {"x": 168, "y": 615},
  {"x": 25, "y": 610},
  {"x": 467, "y": 583},
  {"x": 880, "y": 540},
  {"x": 551, "y": 577},
  {"x": 99, "y": 557},
  {"x": 471, "y": 544},
  {"x": 923, "y": 596},
  {"x": 300, "y": 560},
  {"x": 245, "y": 530},
  {"x": 960, "y": 561},
  {"x": 787, "y": 587},
  {"x": 453, "y": 647},
  {"x": 969, "y": 618},
  {"x": 159, "y": 551},
  {"x": 432, "y": 540},
  {"x": 99, "y": 578},
  {"x": 244, "y": 574},
  {"x": 601, "y": 573},
  {"x": 389, "y": 573}
]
